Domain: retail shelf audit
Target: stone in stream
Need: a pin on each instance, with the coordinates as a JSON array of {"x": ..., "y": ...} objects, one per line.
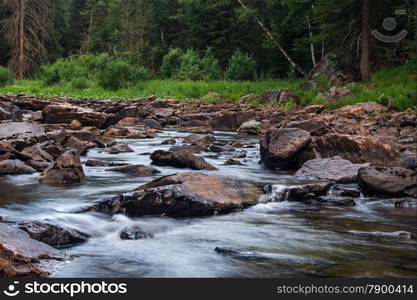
[
  {"x": 53, "y": 235},
  {"x": 334, "y": 169},
  {"x": 331, "y": 201},
  {"x": 137, "y": 170},
  {"x": 101, "y": 163},
  {"x": 183, "y": 195},
  {"x": 307, "y": 192},
  {"x": 233, "y": 162},
  {"x": 169, "y": 142},
  {"x": 134, "y": 233},
  {"x": 195, "y": 149},
  {"x": 216, "y": 148},
  {"x": 153, "y": 124},
  {"x": 250, "y": 128},
  {"x": 315, "y": 127},
  {"x": 15, "y": 167},
  {"x": 19, "y": 253},
  {"x": 66, "y": 169},
  {"x": 117, "y": 148},
  {"x": 22, "y": 134},
  {"x": 66, "y": 113},
  {"x": 128, "y": 133},
  {"x": 199, "y": 139},
  {"x": 388, "y": 182},
  {"x": 180, "y": 159},
  {"x": 279, "y": 147}
]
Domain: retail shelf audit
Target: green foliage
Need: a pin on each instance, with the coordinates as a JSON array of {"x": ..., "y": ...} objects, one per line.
[
  {"x": 80, "y": 83},
  {"x": 241, "y": 66},
  {"x": 5, "y": 76},
  {"x": 115, "y": 75},
  {"x": 210, "y": 66},
  {"x": 171, "y": 63},
  {"x": 190, "y": 67}
]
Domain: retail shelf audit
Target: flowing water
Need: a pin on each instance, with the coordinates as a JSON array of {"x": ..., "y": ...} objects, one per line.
[{"x": 282, "y": 239}]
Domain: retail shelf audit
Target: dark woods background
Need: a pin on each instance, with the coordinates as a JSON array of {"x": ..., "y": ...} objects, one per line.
[{"x": 144, "y": 31}]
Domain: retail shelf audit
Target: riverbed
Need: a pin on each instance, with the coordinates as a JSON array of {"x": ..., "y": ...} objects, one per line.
[{"x": 274, "y": 239}]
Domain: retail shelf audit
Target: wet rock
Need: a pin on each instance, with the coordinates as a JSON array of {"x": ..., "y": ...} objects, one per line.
[
  {"x": 162, "y": 112},
  {"x": 229, "y": 120},
  {"x": 343, "y": 191},
  {"x": 151, "y": 123},
  {"x": 195, "y": 149},
  {"x": 358, "y": 149},
  {"x": 228, "y": 251},
  {"x": 361, "y": 109},
  {"x": 221, "y": 148},
  {"x": 128, "y": 121},
  {"x": 40, "y": 159},
  {"x": 21, "y": 134},
  {"x": 410, "y": 162},
  {"x": 199, "y": 139},
  {"x": 183, "y": 195},
  {"x": 81, "y": 147},
  {"x": 233, "y": 162},
  {"x": 331, "y": 201},
  {"x": 19, "y": 253},
  {"x": 199, "y": 130},
  {"x": 15, "y": 167},
  {"x": 249, "y": 128},
  {"x": 307, "y": 192},
  {"x": 388, "y": 182},
  {"x": 134, "y": 233},
  {"x": 75, "y": 125},
  {"x": 53, "y": 235},
  {"x": 66, "y": 169},
  {"x": 101, "y": 163},
  {"x": 137, "y": 170},
  {"x": 180, "y": 159},
  {"x": 279, "y": 147},
  {"x": 315, "y": 127},
  {"x": 169, "y": 142},
  {"x": 66, "y": 113},
  {"x": 118, "y": 148},
  {"x": 335, "y": 169},
  {"x": 8, "y": 111},
  {"x": 128, "y": 133}
]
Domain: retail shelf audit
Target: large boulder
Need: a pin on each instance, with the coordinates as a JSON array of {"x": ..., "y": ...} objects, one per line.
[
  {"x": 279, "y": 147},
  {"x": 8, "y": 111},
  {"x": 229, "y": 120},
  {"x": 15, "y": 167},
  {"x": 388, "y": 182},
  {"x": 19, "y": 253},
  {"x": 315, "y": 127},
  {"x": 180, "y": 159},
  {"x": 66, "y": 169},
  {"x": 66, "y": 113},
  {"x": 53, "y": 235},
  {"x": 358, "y": 149},
  {"x": 183, "y": 195},
  {"x": 335, "y": 169},
  {"x": 22, "y": 134},
  {"x": 251, "y": 127}
]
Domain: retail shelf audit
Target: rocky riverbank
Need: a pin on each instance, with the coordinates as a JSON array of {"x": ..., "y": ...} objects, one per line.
[{"x": 367, "y": 145}]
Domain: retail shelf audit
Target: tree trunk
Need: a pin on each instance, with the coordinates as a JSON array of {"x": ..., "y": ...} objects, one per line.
[
  {"x": 20, "y": 15},
  {"x": 275, "y": 42},
  {"x": 366, "y": 41},
  {"x": 313, "y": 55}
]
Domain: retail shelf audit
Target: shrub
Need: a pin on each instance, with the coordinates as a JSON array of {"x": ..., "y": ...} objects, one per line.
[
  {"x": 115, "y": 75},
  {"x": 80, "y": 83},
  {"x": 171, "y": 63},
  {"x": 5, "y": 76},
  {"x": 141, "y": 74},
  {"x": 241, "y": 66},
  {"x": 210, "y": 67},
  {"x": 190, "y": 67}
]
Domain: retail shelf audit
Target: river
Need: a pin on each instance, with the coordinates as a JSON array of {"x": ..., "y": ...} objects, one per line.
[{"x": 285, "y": 239}]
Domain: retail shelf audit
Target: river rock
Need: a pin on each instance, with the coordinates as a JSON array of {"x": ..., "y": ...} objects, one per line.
[
  {"x": 388, "y": 182},
  {"x": 66, "y": 169},
  {"x": 53, "y": 235},
  {"x": 229, "y": 120},
  {"x": 101, "y": 163},
  {"x": 315, "y": 127},
  {"x": 199, "y": 139},
  {"x": 153, "y": 124},
  {"x": 19, "y": 253},
  {"x": 138, "y": 170},
  {"x": 279, "y": 147},
  {"x": 195, "y": 149},
  {"x": 118, "y": 148},
  {"x": 249, "y": 128},
  {"x": 172, "y": 141},
  {"x": 180, "y": 159},
  {"x": 331, "y": 201},
  {"x": 358, "y": 149},
  {"x": 307, "y": 192},
  {"x": 134, "y": 233},
  {"x": 66, "y": 113},
  {"x": 15, "y": 167},
  {"x": 128, "y": 133},
  {"x": 22, "y": 134},
  {"x": 183, "y": 195},
  {"x": 8, "y": 111},
  {"x": 335, "y": 169}
]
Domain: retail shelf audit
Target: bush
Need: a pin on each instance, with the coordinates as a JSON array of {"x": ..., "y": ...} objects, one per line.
[
  {"x": 5, "y": 76},
  {"x": 241, "y": 67},
  {"x": 190, "y": 67},
  {"x": 115, "y": 75},
  {"x": 210, "y": 67},
  {"x": 80, "y": 83},
  {"x": 171, "y": 63},
  {"x": 141, "y": 74}
]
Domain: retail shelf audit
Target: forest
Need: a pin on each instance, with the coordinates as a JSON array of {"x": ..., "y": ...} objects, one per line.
[{"x": 125, "y": 44}]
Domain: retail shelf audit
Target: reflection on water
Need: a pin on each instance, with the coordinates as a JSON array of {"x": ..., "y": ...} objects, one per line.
[{"x": 275, "y": 239}]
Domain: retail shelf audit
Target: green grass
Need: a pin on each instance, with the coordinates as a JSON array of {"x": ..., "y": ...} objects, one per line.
[{"x": 387, "y": 83}]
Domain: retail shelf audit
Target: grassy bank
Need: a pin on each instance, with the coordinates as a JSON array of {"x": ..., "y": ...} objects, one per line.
[{"x": 392, "y": 83}]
